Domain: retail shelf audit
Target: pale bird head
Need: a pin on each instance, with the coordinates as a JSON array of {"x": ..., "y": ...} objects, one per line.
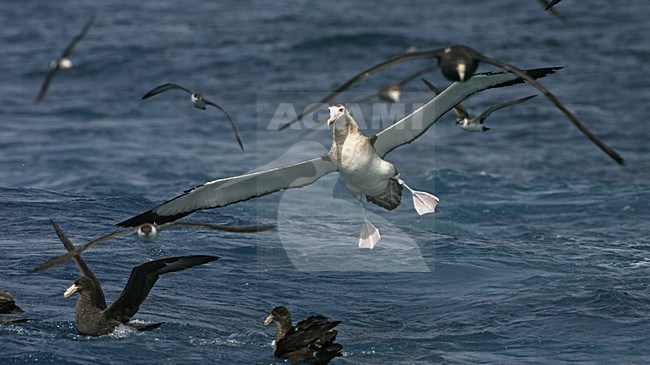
[{"x": 338, "y": 113}]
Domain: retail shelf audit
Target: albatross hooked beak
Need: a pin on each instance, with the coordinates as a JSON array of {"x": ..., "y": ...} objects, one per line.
[
  {"x": 332, "y": 120},
  {"x": 71, "y": 290},
  {"x": 269, "y": 319},
  {"x": 336, "y": 111}
]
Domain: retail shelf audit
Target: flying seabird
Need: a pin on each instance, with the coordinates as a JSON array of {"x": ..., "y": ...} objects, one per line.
[
  {"x": 359, "y": 159},
  {"x": 94, "y": 317},
  {"x": 470, "y": 124},
  {"x": 63, "y": 62},
  {"x": 146, "y": 232},
  {"x": 548, "y": 5},
  {"x": 390, "y": 93},
  {"x": 198, "y": 100},
  {"x": 393, "y": 92},
  {"x": 551, "y": 4},
  {"x": 311, "y": 340},
  {"x": 458, "y": 63}
]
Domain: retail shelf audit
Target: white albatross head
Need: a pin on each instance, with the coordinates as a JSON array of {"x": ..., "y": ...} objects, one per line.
[{"x": 338, "y": 114}]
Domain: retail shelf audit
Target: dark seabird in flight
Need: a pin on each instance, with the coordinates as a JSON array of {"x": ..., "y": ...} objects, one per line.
[
  {"x": 311, "y": 340},
  {"x": 198, "y": 100},
  {"x": 146, "y": 232},
  {"x": 552, "y": 3},
  {"x": 467, "y": 123},
  {"x": 458, "y": 63},
  {"x": 63, "y": 62},
  {"x": 548, "y": 6},
  {"x": 94, "y": 317},
  {"x": 358, "y": 158}
]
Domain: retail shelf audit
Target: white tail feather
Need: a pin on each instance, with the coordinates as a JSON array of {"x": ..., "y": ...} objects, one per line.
[
  {"x": 369, "y": 236},
  {"x": 424, "y": 202}
]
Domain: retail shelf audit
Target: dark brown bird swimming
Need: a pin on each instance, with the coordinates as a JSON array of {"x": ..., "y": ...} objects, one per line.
[
  {"x": 93, "y": 317},
  {"x": 311, "y": 340},
  {"x": 459, "y": 63},
  {"x": 146, "y": 232},
  {"x": 7, "y": 303},
  {"x": 8, "y": 306},
  {"x": 63, "y": 62}
]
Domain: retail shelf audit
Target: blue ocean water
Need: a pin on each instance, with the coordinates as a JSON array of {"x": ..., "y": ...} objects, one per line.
[{"x": 538, "y": 253}]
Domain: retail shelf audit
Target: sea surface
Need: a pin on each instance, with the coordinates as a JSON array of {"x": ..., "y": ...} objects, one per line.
[{"x": 538, "y": 252}]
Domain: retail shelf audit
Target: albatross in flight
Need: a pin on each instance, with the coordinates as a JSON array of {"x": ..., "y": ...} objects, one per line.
[
  {"x": 359, "y": 159},
  {"x": 467, "y": 123},
  {"x": 458, "y": 63},
  {"x": 63, "y": 62},
  {"x": 198, "y": 100}
]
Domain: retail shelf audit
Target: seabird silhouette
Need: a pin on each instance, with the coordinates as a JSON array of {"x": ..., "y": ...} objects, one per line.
[
  {"x": 198, "y": 100},
  {"x": 467, "y": 123},
  {"x": 551, "y": 4},
  {"x": 458, "y": 63},
  {"x": 63, "y": 62},
  {"x": 146, "y": 232}
]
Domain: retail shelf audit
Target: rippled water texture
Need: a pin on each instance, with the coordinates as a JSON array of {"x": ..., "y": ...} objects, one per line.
[{"x": 538, "y": 252}]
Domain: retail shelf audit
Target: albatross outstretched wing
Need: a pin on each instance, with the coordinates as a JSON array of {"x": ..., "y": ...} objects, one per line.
[
  {"x": 415, "y": 124},
  {"x": 142, "y": 279},
  {"x": 460, "y": 110},
  {"x": 222, "y": 192}
]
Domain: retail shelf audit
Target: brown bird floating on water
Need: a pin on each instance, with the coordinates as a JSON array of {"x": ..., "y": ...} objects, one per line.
[
  {"x": 8, "y": 306},
  {"x": 146, "y": 232},
  {"x": 466, "y": 122},
  {"x": 63, "y": 62},
  {"x": 93, "y": 317},
  {"x": 459, "y": 63},
  {"x": 7, "y": 303},
  {"x": 311, "y": 340},
  {"x": 198, "y": 100}
]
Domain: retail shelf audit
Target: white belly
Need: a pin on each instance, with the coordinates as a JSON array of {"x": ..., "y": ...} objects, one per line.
[{"x": 363, "y": 170}]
